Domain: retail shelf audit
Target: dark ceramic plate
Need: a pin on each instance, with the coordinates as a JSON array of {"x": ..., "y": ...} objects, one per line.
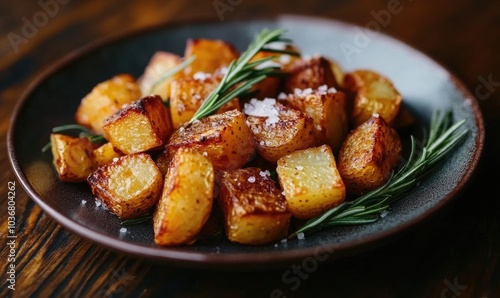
[{"x": 53, "y": 98}]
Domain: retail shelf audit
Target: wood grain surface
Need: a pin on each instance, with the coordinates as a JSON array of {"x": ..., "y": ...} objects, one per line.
[{"x": 453, "y": 254}]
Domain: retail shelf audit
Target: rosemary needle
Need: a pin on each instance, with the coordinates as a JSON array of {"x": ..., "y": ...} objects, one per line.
[{"x": 443, "y": 137}]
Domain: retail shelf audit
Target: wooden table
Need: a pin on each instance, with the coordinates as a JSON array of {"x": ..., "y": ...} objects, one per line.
[{"x": 455, "y": 253}]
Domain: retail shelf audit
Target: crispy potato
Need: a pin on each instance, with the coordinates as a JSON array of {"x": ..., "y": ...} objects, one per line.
[
  {"x": 72, "y": 157},
  {"x": 160, "y": 63},
  {"x": 129, "y": 187},
  {"x": 187, "y": 199},
  {"x": 105, "y": 99},
  {"x": 311, "y": 73},
  {"x": 104, "y": 154},
  {"x": 327, "y": 108},
  {"x": 371, "y": 93},
  {"x": 142, "y": 126},
  {"x": 369, "y": 155},
  {"x": 310, "y": 181},
  {"x": 225, "y": 138},
  {"x": 211, "y": 54},
  {"x": 187, "y": 95},
  {"x": 254, "y": 209},
  {"x": 290, "y": 129}
]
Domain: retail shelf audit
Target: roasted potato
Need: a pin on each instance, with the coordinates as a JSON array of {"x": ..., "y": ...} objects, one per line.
[
  {"x": 129, "y": 187},
  {"x": 310, "y": 181},
  {"x": 371, "y": 93},
  {"x": 105, "y": 99},
  {"x": 254, "y": 209},
  {"x": 142, "y": 126},
  {"x": 278, "y": 130},
  {"x": 369, "y": 155},
  {"x": 187, "y": 199},
  {"x": 327, "y": 108},
  {"x": 104, "y": 154},
  {"x": 187, "y": 95},
  {"x": 224, "y": 138},
  {"x": 211, "y": 54},
  {"x": 72, "y": 157},
  {"x": 150, "y": 81},
  {"x": 311, "y": 73}
]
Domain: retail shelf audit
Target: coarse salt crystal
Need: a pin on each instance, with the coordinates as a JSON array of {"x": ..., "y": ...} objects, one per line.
[
  {"x": 263, "y": 108},
  {"x": 205, "y": 153},
  {"x": 201, "y": 75},
  {"x": 115, "y": 159},
  {"x": 284, "y": 240},
  {"x": 300, "y": 168},
  {"x": 84, "y": 202},
  {"x": 181, "y": 129},
  {"x": 318, "y": 127},
  {"x": 97, "y": 203},
  {"x": 323, "y": 88},
  {"x": 262, "y": 143},
  {"x": 251, "y": 179},
  {"x": 332, "y": 90},
  {"x": 383, "y": 213},
  {"x": 283, "y": 192},
  {"x": 123, "y": 230},
  {"x": 300, "y": 236},
  {"x": 282, "y": 96},
  {"x": 265, "y": 173}
]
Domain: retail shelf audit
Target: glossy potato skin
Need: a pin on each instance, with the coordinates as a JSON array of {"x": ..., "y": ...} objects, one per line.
[
  {"x": 105, "y": 99},
  {"x": 129, "y": 187},
  {"x": 142, "y": 126},
  {"x": 327, "y": 109},
  {"x": 72, "y": 157},
  {"x": 160, "y": 63},
  {"x": 211, "y": 54},
  {"x": 187, "y": 95},
  {"x": 186, "y": 201},
  {"x": 225, "y": 139},
  {"x": 310, "y": 73},
  {"x": 293, "y": 131},
  {"x": 255, "y": 211},
  {"x": 369, "y": 155},
  {"x": 371, "y": 93},
  {"x": 310, "y": 181}
]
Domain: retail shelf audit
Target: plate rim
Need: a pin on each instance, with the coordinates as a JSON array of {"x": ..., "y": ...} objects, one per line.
[{"x": 204, "y": 259}]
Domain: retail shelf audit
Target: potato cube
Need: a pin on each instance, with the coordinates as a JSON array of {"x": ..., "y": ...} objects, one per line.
[
  {"x": 72, "y": 157},
  {"x": 311, "y": 181},
  {"x": 254, "y": 209},
  {"x": 129, "y": 187},
  {"x": 142, "y": 126},
  {"x": 225, "y": 138},
  {"x": 150, "y": 81},
  {"x": 278, "y": 130},
  {"x": 311, "y": 73},
  {"x": 369, "y": 155},
  {"x": 211, "y": 54},
  {"x": 105, "y": 99},
  {"x": 327, "y": 108},
  {"x": 105, "y": 154},
  {"x": 187, "y": 95},
  {"x": 187, "y": 199},
  {"x": 371, "y": 93}
]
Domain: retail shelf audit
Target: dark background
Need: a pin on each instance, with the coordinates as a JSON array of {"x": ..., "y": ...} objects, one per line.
[{"x": 454, "y": 253}]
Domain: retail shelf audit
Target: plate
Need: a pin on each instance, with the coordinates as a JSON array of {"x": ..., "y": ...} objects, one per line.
[{"x": 54, "y": 97}]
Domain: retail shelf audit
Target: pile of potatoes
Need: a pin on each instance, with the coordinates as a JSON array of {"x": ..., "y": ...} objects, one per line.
[{"x": 328, "y": 135}]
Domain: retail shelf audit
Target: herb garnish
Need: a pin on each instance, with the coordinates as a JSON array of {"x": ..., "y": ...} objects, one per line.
[
  {"x": 84, "y": 133},
  {"x": 366, "y": 209}
]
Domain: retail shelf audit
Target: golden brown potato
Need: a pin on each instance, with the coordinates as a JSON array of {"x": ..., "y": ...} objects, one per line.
[
  {"x": 187, "y": 95},
  {"x": 311, "y": 73},
  {"x": 104, "y": 155},
  {"x": 187, "y": 198},
  {"x": 369, "y": 155},
  {"x": 72, "y": 157},
  {"x": 159, "y": 64},
  {"x": 371, "y": 93},
  {"x": 282, "y": 132},
  {"x": 310, "y": 181},
  {"x": 143, "y": 125},
  {"x": 327, "y": 108},
  {"x": 105, "y": 99},
  {"x": 129, "y": 187},
  {"x": 254, "y": 209},
  {"x": 224, "y": 138},
  {"x": 211, "y": 54}
]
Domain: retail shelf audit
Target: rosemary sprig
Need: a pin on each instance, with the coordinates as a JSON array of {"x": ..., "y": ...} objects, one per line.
[
  {"x": 443, "y": 137},
  {"x": 84, "y": 132},
  {"x": 146, "y": 218},
  {"x": 171, "y": 72},
  {"x": 242, "y": 74}
]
